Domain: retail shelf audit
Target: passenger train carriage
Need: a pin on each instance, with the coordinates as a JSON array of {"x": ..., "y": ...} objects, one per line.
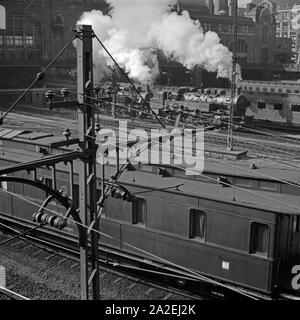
[
  {"x": 272, "y": 103},
  {"x": 250, "y": 240}
]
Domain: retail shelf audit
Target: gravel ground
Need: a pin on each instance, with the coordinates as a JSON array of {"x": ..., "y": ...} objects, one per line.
[{"x": 30, "y": 274}]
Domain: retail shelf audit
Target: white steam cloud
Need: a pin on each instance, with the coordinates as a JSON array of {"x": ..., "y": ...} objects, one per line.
[{"x": 135, "y": 28}]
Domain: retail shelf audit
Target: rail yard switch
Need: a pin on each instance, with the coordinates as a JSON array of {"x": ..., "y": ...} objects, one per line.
[{"x": 2, "y": 277}]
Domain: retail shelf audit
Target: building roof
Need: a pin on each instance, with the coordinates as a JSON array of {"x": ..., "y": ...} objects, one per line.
[{"x": 275, "y": 202}]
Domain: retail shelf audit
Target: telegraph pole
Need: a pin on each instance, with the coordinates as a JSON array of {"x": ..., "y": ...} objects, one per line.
[
  {"x": 233, "y": 76},
  {"x": 87, "y": 166}
]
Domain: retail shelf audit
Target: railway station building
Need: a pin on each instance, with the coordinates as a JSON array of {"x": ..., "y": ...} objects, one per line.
[{"x": 37, "y": 29}]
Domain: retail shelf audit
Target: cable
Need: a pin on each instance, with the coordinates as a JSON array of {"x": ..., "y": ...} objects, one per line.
[
  {"x": 124, "y": 242},
  {"x": 241, "y": 138},
  {"x": 191, "y": 271},
  {"x": 244, "y": 169},
  {"x": 286, "y": 182},
  {"x": 198, "y": 276},
  {"x": 21, "y": 234},
  {"x": 39, "y": 76},
  {"x": 237, "y": 138}
]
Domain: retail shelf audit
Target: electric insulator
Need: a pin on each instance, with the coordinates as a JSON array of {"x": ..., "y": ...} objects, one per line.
[
  {"x": 37, "y": 216},
  {"x": 49, "y": 219}
]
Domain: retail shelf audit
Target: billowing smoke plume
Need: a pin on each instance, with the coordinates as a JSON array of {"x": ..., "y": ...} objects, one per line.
[{"x": 135, "y": 28}]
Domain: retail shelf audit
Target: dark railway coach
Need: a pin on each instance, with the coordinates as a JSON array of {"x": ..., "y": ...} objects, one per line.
[{"x": 233, "y": 236}]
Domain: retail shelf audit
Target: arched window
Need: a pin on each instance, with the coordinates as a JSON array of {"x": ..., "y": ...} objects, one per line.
[
  {"x": 265, "y": 33},
  {"x": 2, "y": 17}
]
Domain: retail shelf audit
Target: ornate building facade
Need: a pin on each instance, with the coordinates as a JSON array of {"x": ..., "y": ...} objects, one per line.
[{"x": 37, "y": 29}]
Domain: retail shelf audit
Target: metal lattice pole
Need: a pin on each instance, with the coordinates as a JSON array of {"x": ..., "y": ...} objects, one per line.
[
  {"x": 87, "y": 166},
  {"x": 233, "y": 77}
]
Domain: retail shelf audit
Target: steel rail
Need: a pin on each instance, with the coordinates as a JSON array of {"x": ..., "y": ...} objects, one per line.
[
  {"x": 128, "y": 272},
  {"x": 11, "y": 294}
]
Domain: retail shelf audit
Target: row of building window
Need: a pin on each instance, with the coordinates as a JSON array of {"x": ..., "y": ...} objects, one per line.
[
  {"x": 224, "y": 28},
  {"x": 16, "y": 41},
  {"x": 261, "y": 104},
  {"x": 284, "y": 15},
  {"x": 265, "y": 89}
]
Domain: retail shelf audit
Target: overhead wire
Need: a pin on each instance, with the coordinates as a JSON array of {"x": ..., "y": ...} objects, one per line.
[
  {"x": 216, "y": 134},
  {"x": 94, "y": 230},
  {"x": 197, "y": 275},
  {"x": 39, "y": 76},
  {"x": 244, "y": 169},
  {"x": 127, "y": 78}
]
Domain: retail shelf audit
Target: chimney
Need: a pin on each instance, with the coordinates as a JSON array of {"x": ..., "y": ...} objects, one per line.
[
  {"x": 231, "y": 8},
  {"x": 221, "y": 7}
]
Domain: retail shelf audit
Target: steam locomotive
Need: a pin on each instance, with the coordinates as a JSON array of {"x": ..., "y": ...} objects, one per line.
[
  {"x": 201, "y": 106},
  {"x": 195, "y": 106}
]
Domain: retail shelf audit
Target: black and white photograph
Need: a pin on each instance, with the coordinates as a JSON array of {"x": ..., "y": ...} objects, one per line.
[{"x": 150, "y": 153}]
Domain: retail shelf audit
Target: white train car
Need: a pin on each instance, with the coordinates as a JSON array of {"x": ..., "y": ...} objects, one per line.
[{"x": 272, "y": 103}]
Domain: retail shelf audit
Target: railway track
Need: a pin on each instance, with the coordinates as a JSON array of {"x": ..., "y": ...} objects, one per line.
[
  {"x": 8, "y": 294},
  {"x": 266, "y": 134},
  {"x": 157, "y": 283},
  {"x": 49, "y": 252}
]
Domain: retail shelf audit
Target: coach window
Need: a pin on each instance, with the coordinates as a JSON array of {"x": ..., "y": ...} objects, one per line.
[
  {"x": 197, "y": 224},
  {"x": 278, "y": 106},
  {"x": 49, "y": 184},
  {"x": 139, "y": 211},
  {"x": 296, "y": 107},
  {"x": 259, "y": 239},
  {"x": 261, "y": 104},
  {"x": 296, "y": 224}
]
